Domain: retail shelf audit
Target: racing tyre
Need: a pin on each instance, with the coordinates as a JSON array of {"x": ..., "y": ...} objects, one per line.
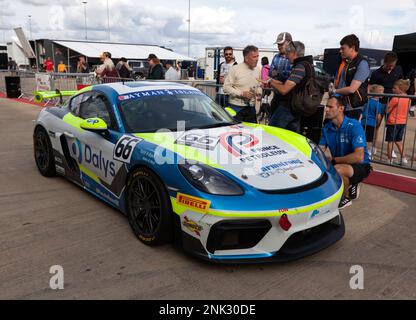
[
  {"x": 148, "y": 208},
  {"x": 43, "y": 153}
]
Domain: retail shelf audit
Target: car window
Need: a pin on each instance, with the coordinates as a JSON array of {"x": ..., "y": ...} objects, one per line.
[
  {"x": 76, "y": 101},
  {"x": 192, "y": 109},
  {"x": 96, "y": 107}
]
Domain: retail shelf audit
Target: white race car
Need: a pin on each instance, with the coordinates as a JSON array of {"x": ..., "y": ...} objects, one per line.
[{"x": 224, "y": 191}]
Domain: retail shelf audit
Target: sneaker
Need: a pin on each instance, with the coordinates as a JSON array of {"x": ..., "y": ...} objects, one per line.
[
  {"x": 354, "y": 191},
  {"x": 345, "y": 202},
  {"x": 394, "y": 155},
  {"x": 404, "y": 161},
  {"x": 374, "y": 151}
]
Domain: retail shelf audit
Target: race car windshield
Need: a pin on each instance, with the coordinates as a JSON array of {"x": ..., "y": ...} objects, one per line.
[{"x": 175, "y": 110}]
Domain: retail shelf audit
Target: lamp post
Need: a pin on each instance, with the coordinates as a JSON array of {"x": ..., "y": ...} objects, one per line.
[
  {"x": 85, "y": 16},
  {"x": 108, "y": 21},
  {"x": 30, "y": 26},
  {"x": 189, "y": 27}
]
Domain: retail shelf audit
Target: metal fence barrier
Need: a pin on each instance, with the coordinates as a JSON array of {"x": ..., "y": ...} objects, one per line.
[
  {"x": 391, "y": 141},
  {"x": 399, "y": 153},
  {"x": 378, "y": 147},
  {"x": 3, "y": 74}
]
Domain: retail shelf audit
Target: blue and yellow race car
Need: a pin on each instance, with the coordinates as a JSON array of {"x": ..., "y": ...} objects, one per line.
[{"x": 182, "y": 169}]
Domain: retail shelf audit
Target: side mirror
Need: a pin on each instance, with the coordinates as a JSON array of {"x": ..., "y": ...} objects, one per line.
[
  {"x": 230, "y": 111},
  {"x": 94, "y": 124}
]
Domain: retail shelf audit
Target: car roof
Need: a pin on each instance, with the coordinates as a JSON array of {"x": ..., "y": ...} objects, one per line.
[{"x": 122, "y": 88}]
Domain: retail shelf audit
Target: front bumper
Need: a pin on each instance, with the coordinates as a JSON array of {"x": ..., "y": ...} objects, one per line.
[{"x": 263, "y": 240}]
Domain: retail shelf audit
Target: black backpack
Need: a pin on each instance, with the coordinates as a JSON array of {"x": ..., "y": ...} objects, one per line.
[{"x": 307, "y": 96}]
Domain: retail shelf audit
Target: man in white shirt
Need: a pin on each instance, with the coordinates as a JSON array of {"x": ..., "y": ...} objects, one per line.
[
  {"x": 223, "y": 70},
  {"x": 171, "y": 72},
  {"x": 241, "y": 83}
]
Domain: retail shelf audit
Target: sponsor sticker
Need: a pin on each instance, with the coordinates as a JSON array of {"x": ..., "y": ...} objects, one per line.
[
  {"x": 236, "y": 142},
  {"x": 317, "y": 213},
  {"x": 194, "y": 203},
  {"x": 200, "y": 141},
  {"x": 123, "y": 150},
  {"x": 192, "y": 226},
  {"x": 282, "y": 167},
  {"x": 156, "y": 93}
]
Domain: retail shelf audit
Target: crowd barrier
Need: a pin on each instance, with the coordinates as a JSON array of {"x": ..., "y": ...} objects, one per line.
[
  {"x": 311, "y": 127},
  {"x": 3, "y": 74},
  {"x": 385, "y": 127}
]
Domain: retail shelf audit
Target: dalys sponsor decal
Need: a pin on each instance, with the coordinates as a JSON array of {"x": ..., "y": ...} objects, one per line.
[
  {"x": 197, "y": 204},
  {"x": 93, "y": 157}
]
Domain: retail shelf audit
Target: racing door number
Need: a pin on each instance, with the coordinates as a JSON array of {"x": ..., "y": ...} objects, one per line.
[{"x": 124, "y": 148}]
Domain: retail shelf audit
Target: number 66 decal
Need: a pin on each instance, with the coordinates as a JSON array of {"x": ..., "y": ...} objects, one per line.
[{"x": 124, "y": 148}]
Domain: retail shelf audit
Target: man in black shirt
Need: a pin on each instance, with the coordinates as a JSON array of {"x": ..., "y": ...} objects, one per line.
[{"x": 387, "y": 74}]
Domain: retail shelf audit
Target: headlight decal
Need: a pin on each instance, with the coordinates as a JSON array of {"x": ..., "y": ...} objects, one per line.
[{"x": 209, "y": 180}]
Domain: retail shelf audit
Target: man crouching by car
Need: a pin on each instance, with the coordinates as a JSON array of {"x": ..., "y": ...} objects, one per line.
[{"x": 345, "y": 139}]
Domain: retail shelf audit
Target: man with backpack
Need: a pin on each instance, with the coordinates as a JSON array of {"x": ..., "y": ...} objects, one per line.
[{"x": 300, "y": 95}]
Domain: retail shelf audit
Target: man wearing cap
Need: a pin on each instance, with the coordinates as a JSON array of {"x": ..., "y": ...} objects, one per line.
[
  {"x": 171, "y": 72},
  {"x": 280, "y": 67},
  {"x": 284, "y": 117}
]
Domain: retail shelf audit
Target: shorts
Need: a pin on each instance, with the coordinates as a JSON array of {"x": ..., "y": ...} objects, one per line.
[
  {"x": 394, "y": 133},
  {"x": 361, "y": 171},
  {"x": 369, "y": 133}
]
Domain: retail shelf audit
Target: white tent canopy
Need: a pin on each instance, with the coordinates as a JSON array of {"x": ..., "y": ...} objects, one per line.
[{"x": 119, "y": 50}]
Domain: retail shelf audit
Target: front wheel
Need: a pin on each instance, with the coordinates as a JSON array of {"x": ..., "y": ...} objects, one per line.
[
  {"x": 148, "y": 208},
  {"x": 43, "y": 153}
]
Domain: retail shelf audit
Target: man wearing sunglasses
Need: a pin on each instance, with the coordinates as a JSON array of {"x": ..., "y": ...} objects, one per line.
[
  {"x": 280, "y": 67},
  {"x": 223, "y": 70}
]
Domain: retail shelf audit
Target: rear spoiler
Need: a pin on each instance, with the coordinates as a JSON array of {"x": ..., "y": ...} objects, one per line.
[{"x": 40, "y": 96}]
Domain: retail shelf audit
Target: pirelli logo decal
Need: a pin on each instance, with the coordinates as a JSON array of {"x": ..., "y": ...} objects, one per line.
[{"x": 194, "y": 203}]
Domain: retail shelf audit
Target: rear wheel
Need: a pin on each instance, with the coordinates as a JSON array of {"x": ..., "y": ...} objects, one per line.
[
  {"x": 43, "y": 153},
  {"x": 148, "y": 208}
]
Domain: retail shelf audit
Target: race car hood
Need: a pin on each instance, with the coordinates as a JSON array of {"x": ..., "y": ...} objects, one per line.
[{"x": 264, "y": 157}]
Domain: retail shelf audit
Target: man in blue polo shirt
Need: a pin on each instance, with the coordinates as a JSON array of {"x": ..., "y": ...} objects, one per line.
[{"x": 346, "y": 141}]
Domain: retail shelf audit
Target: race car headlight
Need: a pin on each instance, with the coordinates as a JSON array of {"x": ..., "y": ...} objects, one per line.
[
  {"x": 209, "y": 180},
  {"x": 319, "y": 154}
]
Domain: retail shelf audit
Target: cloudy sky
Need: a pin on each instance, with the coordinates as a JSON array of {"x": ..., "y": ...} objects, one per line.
[{"x": 319, "y": 24}]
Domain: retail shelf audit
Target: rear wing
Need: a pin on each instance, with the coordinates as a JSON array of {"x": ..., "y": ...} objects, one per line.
[{"x": 41, "y": 96}]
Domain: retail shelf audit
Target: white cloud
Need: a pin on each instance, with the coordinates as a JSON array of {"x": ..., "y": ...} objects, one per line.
[
  {"x": 210, "y": 20},
  {"x": 319, "y": 24}
]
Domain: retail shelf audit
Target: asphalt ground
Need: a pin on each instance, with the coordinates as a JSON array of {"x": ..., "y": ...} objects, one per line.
[{"x": 46, "y": 222}]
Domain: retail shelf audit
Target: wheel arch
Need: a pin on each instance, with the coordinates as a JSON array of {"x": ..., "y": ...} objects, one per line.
[{"x": 145, "y": 166}]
